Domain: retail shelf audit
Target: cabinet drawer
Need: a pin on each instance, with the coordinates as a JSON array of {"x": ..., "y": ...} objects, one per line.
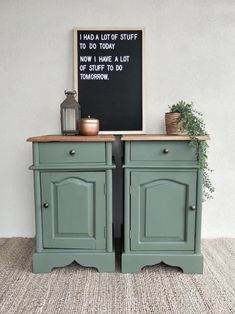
[
  {"x": 164, "y": 150},
  {"x": 71, "y": 152}
]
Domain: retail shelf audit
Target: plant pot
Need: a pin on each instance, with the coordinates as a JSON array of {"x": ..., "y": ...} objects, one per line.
[{"x": 173, "y": 126}]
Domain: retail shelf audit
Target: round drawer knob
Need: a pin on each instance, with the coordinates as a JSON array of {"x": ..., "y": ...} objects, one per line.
[
  {"x": 165, "y": 150},
  {"x": 193, "y": 207},
  {"x": 72, "y": 152},
  {"x": 45, "y": 205}
]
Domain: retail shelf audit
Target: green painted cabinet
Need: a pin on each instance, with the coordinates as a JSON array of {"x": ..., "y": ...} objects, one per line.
[
  {"x": 73, "y": 214},
  {"x": 73, "y": 202},
  {"x": 161, "y": 218},
  {"x": 162, "y": 204}
]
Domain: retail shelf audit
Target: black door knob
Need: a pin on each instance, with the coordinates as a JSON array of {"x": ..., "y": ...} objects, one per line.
[
  {"x": 45, "y": 205},
  {"x": 72, "y": 152},
  {"x": 165, "y": 150}
]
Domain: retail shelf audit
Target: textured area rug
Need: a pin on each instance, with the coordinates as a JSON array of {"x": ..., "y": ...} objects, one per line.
[{"x": 156, "y": 289}]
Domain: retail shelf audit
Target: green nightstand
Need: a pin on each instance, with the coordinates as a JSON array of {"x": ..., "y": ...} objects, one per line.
[
  {"x": 162, "y": 203},
  {"x": 73, "y": 201}
]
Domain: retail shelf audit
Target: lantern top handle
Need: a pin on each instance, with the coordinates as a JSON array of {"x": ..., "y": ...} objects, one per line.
[{"x": 70, "y": 92}]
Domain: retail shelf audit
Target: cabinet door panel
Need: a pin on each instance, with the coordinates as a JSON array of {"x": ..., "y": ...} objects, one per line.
[
  {"x": 72, "y": 218},
  {"x": 75, "y": 217},
  {"x": 161, "y": 218}
]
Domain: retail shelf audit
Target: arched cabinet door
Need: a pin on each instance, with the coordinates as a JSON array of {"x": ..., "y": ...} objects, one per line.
[
  {"x": 73, "y": 210},
  {"x": 163, "y": 211}
]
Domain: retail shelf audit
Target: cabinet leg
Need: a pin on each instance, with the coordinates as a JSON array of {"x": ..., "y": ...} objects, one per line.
[
  {"x": 41, "y": 264},
  {"x": 103, "y": 262},
  {"x": 44, "y": 262},
  {"x": 130, "y": 264},
  {"x": 189, "y": 263},
  {"x": 192, "y": 265}
]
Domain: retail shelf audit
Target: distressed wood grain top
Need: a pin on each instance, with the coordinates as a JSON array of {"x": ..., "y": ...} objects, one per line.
[
  {"x": 71, "y": 138},
  {"x": 160, "y": 137}
]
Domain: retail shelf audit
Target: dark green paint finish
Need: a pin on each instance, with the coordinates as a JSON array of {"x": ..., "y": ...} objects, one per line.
[
  {"x": 161, "y": 151},
  {"x": 159, "y": 225},
  {"x": 162, "y": 164},
  {"x": 161, "y": 218},
  {"x": 73, "y": 205},
  {"x": 45, "y": 262},
  {"x": 162, "y": 184},
  {"x": 75, "y": 217},
  {"x": 188, "y": 263},
  {"x": 38, "y": 213},
  {"x": 71, "y": 152},
  {"x": 199, "y": 212},
  {"x": 73, "y": 167}
]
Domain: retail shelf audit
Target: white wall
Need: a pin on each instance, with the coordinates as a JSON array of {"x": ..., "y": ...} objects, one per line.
[{"x": 189, "y": 54}]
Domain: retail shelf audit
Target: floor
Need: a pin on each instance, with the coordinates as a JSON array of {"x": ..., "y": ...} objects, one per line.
[{"x": 156, "y": 289}]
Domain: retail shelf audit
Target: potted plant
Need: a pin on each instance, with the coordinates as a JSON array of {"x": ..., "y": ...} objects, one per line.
[{"x": 183, "y": 119}]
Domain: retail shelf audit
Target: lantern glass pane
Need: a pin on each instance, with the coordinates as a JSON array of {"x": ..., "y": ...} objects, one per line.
[{"x": 69, "y": 119}]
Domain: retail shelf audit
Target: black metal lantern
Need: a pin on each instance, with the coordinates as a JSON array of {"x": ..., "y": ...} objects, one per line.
[{"x": 70, "y": 114}]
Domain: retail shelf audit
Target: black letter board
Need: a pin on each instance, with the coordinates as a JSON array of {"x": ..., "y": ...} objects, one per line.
[{"x": 108, "y": 77}]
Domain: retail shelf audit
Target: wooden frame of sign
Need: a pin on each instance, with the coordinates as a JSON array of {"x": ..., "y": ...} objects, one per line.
[{"x": 108, "y": 77}]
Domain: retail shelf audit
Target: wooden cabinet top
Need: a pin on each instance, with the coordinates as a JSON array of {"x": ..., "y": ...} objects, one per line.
[
  {"x": 111, "y": 138},
  {"x": 70, "y": 138},
  {"x": 160, "y": 137}
]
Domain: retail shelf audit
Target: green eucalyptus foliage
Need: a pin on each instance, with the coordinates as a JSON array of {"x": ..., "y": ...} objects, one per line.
[{"x": 193, "y": 124}]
